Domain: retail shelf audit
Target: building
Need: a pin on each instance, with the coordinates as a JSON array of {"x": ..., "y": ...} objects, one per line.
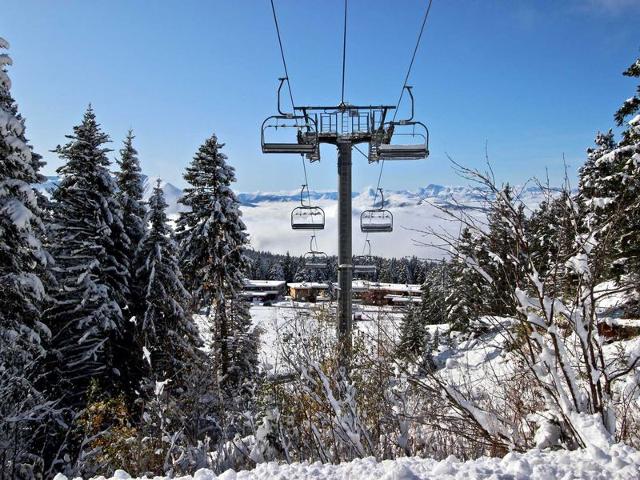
[
  {"x": 369, "y": 293},
  {"x": 309, "y": 291},
  {"x": 264, "y": 290},
  {"x": 376, "y": 293}
]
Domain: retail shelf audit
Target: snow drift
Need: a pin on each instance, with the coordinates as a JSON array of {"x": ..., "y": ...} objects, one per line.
[{"x": 616, "y": 462}]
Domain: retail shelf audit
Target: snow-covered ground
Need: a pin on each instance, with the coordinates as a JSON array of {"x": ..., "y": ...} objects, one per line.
[{"x": 616, "y": 462}]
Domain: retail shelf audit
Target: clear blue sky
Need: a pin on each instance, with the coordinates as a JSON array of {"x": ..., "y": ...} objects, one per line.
[{"x": 533, "y": 78}]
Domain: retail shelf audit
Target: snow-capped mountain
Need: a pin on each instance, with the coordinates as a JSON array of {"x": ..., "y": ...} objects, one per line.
[{"x": 267, "y": 216}]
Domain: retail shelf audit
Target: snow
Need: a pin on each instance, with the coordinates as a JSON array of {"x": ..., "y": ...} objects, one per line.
[
  {"x": 264, "y": 283},
  {"x": 615, "y": 462}
]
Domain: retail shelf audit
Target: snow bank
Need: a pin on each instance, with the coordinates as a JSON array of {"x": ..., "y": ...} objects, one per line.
[{"x": 616, "y": 462}]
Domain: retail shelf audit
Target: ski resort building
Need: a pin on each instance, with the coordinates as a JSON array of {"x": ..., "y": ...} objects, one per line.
[
  {"x": 308, "y": 291},
  {"x": 376, "y": 293},
  {"x": 264, "y": 290},
  {"x": 369, "y": 293}
]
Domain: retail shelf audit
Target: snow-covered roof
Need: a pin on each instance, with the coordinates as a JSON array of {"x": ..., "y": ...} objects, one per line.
[
  {"x": 262, "y": 293},
  {"x": 360, "y": 285},
  {"x": 402, "y": 299},
  {"x": 264, "y": 283},
  {"x": 316, "y": 285}
]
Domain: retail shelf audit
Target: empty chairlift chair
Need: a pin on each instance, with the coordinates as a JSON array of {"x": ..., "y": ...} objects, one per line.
[
  {"x": 290, "y": 133},
  {"x": 314, "y": 259},
  {"x": 363, "y": 265},
  {"x": 307, "y": 217},
  {"x": 377, "y": 220},
  {"x": 403, "y": 139},
  {"x": 411, "y": 143}
]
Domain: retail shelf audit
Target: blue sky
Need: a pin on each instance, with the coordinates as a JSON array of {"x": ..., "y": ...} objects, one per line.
[{"x": 534, "y": 79}]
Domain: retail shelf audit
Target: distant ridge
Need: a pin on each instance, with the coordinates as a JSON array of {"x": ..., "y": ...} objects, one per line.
[{"x": 454, "y": 196}]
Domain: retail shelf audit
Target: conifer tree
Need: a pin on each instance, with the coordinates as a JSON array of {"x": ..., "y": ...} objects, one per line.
[
  {"x": 23, "y": 335},
  {"x": 212, "y": 242},
  {"x": 90, "y": 334},
  {"x": 129, "y": 195},
  {"x": 166, "y": 329},
  {"x": 610, "y": 187},
  {"x": 499, "y": 253},
  {"x": 468, "y": 294},
  {"x": 432, "y": 305}
]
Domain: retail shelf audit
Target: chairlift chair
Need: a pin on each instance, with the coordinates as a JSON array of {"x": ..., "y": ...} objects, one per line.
[
  {"x": 377, "y": 220},
  {"x": 417, "y": 150},
  {"x": 402, "y": 131},
  {"x": 363, "y": 264},
  {"x": 315, "y": 259},
  {"x": 274, "y": 140},
  {"x": 307, "y": 217}
]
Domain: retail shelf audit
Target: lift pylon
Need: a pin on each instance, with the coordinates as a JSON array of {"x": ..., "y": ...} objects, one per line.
[{"x": 344, "y": 126}]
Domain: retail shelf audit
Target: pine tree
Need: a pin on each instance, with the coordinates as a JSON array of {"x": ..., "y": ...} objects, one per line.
[
  {"x": 468, "y": 294},
  {"x": 499, "y": 253},
  {"x": 90, "y": 334},
  {"x": 129, "y": 195},
  {"x": 432, "y": 306},
  {"x": 23, "y": 336},
  {"x": 415, "y": 339},
  {"x": 212, "y": 242},
  {"x": 166, "y": 329},
  {"x": 627, "y": 244},
  {"x": 609, "y": 191}
]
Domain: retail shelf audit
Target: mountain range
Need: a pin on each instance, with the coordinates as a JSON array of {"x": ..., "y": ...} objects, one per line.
[{"x": 415, "y": 213}]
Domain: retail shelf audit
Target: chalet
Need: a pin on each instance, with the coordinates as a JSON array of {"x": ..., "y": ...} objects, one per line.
[
  {"x": 264, "y": 290},
  {"x": 308, "y": 291},
  {"x": 376, "y": 293}
]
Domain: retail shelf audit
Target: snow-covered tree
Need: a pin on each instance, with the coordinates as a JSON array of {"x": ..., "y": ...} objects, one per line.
[
  {"x": 414, "y": 336},
  {"x": 129, "y": 194},
  {"x": 212, "y": 242},
  {"x": 467, "y": 298},
  {"x": 610, "y": 188},
  {"x": 23, "y": 335},
  {"x": 166, "y": 330},
  {"x": 93, "y": 342}
]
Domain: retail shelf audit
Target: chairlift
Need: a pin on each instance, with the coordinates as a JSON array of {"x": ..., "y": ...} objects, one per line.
[
  {"x": 364, "y": 264},
  {"x": 411, "y": 139},
  {"x": 277, "y": 129},
  {"x": 315, "y": 259},
  {"x": 307, "y": 217},
  {"x": 418, "y": 149},
  {"x": 377, "y": 220}
]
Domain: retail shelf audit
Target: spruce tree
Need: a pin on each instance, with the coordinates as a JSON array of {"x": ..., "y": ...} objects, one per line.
[
  {"x": 212, "y": 243},
  {"x": 468, "y": 295},
  {"x": 166, "y": 329},
  {"x": 23, "y": 262},
  {"x": 627, "y": 244},
  {"x": 90, "y": 334},
  {"x": 610, "y": 188},
  {"x": 499, "y": 254},
  {"x": 129, "y": 195}
]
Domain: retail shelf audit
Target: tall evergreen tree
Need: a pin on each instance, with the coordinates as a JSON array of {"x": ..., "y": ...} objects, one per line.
[
  {"x": 212, "y": 242},
  {"x": 23, "y": 336},
  {"x": 499, "y": 254},
  {"x": 468, "y": 294},
  {"x": 129, "y": 194},
  {"x": 610, "y": 187},
  {"x": 166, "y": 329},
  {"x": 90, "y": 334}
]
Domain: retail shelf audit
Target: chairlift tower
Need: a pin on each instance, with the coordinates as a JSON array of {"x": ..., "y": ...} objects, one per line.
[{"x": 344, "y": 126}]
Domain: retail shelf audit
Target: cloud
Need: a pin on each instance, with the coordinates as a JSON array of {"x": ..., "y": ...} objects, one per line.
[{"x": 614, "y": 7}]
